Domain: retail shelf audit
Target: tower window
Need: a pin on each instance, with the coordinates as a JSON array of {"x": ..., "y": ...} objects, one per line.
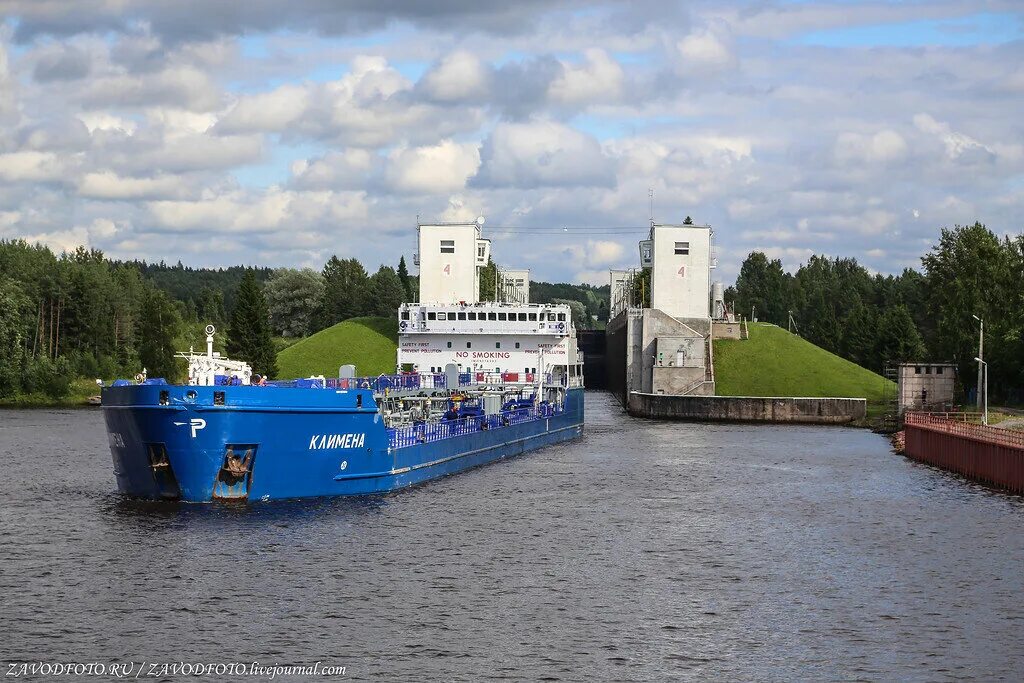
[
  {"x": 449, "y": 345},
  {"x": 682, "y": 248},
  {"x": 497, "y": 345},
  {"x": 447, "y": 246}
]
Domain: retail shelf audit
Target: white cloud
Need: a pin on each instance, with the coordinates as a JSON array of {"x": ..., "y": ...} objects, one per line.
[
  {"x": 704, "y": 51},
  {"x": 107, "y": 185},
  {"x": 253, "y": 213},
  {"x": 544, "y": 153},
  {"x": 29, "y": 166},
  {"x": 274, "y": 110},
  {"x": 444, "y": 167},
  {"x": 99, "y": 120},
  {"x": 181, "y": 86},
  {"x": 956, "y": 144},
  {"x": 885, "y": 146},
  {"x": 599, "y": 79},
  {"x": 460, "y": 77},
  {"x": 348, "y": 168}
]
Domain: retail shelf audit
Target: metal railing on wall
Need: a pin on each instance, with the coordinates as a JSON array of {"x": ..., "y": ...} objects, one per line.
[{"x": 957, "y": 424}]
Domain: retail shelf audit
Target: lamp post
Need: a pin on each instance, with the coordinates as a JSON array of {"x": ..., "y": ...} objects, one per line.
[
  {"x": 981, "y": 354},
  {"x": 983, "y": 364}
]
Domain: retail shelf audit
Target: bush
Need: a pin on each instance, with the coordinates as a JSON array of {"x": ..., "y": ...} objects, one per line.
[{"x": 45, "y": 376}]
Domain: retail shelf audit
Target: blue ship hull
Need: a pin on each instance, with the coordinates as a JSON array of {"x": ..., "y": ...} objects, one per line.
[{"x": 174, "y": 442}]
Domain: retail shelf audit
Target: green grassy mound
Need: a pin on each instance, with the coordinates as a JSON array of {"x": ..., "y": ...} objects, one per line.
[
  {"x": 774, "y": 362},
  {"x": 367, "y": 343}
]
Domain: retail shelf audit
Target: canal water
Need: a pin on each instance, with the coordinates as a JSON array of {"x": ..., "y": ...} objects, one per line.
[{"x": 645, "y": 551}]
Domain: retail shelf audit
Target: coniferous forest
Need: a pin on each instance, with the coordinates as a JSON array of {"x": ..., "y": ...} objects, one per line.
[
  {"x": 926, "y": 315},
  {"x": 81, "y": 315}
]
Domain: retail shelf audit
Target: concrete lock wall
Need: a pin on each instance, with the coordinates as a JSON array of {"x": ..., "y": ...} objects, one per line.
[{"x": 748, "y": 408}]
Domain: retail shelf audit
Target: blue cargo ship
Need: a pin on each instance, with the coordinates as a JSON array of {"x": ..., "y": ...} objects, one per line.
[{"x": 475, "y": 382}]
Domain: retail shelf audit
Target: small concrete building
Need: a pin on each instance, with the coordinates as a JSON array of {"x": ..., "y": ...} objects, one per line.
[
  {"x": 619, "y": 294},
  {"x": 515, "y": 286},
  {"x": 447, "y": 276},
  {"x": 923, "y": 386}
]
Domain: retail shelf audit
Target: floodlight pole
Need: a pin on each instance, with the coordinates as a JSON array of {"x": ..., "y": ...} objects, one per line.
[{"x": 984, "y": 366}]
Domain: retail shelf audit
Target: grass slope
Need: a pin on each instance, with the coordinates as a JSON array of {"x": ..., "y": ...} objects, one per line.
[
  {"x": 774, "y": 362},
  {"x": 368, "y": 343}
]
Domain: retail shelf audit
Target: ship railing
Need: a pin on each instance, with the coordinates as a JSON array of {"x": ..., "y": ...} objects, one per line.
[
  {"x": 416, "y": 381},
  {"x": 429, "y": 432}
]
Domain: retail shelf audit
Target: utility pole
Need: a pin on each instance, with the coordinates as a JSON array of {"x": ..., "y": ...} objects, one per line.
[{"x": 981, "y": 362}]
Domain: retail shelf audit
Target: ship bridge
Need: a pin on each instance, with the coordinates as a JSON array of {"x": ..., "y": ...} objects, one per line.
[{"x": 486, "y": 318}]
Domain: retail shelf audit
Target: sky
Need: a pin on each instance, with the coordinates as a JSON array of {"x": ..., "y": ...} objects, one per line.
[{"x": 278, "y": 134}]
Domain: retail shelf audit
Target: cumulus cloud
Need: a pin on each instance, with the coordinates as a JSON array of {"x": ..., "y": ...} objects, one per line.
[
  {"x": 252, "y": 213},
  {"x": 705, "y": 50},
  {"x": 444, "y": 167},
  {"x": 199, "y": 20},
  {"x": 460, "y": 77},
  {"x": 178, "y": 86},
  {"x": 543, "y": 153},
  {"x": 260, "y": 129},
  {"x": 371, "y": 105},
  {"x": 62, "y": 63},
  {"x": 350, "y": 168},
  {"x": 886, "y": 146},
  {"x": 599, "y": 79},
  {"x": 108, "y": 185},
  {"x": 31, "y": 166}
]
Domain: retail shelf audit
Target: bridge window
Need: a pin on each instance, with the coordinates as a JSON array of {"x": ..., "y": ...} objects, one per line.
[
  {"x": 927, "y": 369},
  {"x": 405, "y": 315},
  {"x": 442, "y": 316},
  {"x": 447, "y": 246},
  {"x": 682, "y": 248},
  {"x": 522, "y": 317},
  {"x": 938, "y": 370},
  {"x": 462, "y": 316},
  {"x": 533, "y": 317},
  {"x": 561, "y": 317},
  {"x": 431, "y": 316},
  {"x": 472, "y": 315},
  {"x": 502, "y": 316},
  {"x": 492, "y": 316},
  {"x": 917, "y": 370}
]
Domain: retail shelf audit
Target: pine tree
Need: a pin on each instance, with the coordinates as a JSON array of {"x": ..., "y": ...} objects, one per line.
[
  {"x": 487, "y": 277},
  {"x": 688, "y": 221},
  {"x": 403, "y": 275},
  {"x": 249, "y": 336},
  {"x": 898, "y": 338},
  {"x": 346, "y": 291},
  {"x": 386, "y": 292},
  {"x": 159, "y": 324}
]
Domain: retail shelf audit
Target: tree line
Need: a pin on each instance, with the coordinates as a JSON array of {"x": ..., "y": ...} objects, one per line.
[
  {"x": 876, "y": 320},
  {"x": 80, "y": 314}
]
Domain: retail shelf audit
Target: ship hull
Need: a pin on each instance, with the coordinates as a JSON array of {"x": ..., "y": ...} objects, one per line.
[{"x": 179, "y": 443}]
